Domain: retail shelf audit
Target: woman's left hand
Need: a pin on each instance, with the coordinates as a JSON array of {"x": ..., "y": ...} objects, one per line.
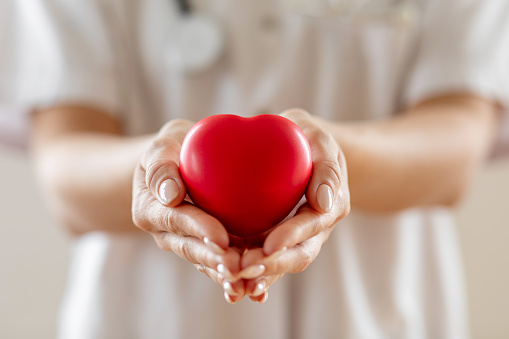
[{"x": 295, "y": 243}]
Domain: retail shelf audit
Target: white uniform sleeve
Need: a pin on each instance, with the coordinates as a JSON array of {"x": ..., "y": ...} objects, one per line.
[
  {"x": 464, "y": 47},
  {"x": 57, "y": 51}
]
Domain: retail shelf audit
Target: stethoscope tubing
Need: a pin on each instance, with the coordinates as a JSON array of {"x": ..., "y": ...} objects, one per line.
[{"x": 184, "y": 7}]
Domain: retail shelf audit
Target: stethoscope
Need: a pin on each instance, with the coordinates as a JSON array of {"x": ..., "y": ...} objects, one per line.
[{"x": 197, "y": 41}]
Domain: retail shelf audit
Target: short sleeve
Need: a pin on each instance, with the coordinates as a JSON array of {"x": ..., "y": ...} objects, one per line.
[
  {"x": 464, "y": 47},
  {"x": 57, "y": 51}
]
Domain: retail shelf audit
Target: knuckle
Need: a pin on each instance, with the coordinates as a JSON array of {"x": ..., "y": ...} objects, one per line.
[
  {"x": 332, "y": 172},
  {"x": 170, "y": 168},
  {"x": 319, "y": 136},
  {"x": 322, "y": 141},
  {"x": 154, "y": 149},
  {"x": 164, "y": 143},
  {"x": 174, "y": 130},
  {"x": 164, "y": 149},
  {"x": 173, "y": 125},
  {"x": 159, "y": 172},
  {"x": 305, "y": 261},
  {"x": 171, "y": 222},
  {"x": 159, "y": 143},
  {"x": 295, "y": 114},
  {"x": 185, "y": 251},
  {"x": 152, "y": 171},
  {"x": 202, "y": 269},
  {"x": 316, "y": 227}
]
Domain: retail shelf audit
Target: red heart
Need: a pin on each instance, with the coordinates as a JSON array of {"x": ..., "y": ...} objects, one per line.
[{"x": 249, "y": 173}]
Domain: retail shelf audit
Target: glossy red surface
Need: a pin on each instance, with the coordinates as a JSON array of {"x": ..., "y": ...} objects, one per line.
[{"x": 247, "y": 172}]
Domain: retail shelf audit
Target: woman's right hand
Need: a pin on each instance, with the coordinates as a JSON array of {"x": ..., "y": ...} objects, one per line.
[{"x": 159, "y": 207}]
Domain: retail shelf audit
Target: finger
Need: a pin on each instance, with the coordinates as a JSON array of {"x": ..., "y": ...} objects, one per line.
[
  {"x": 257, "y": 289},
  {"x": 233, "y": 291},
  {"x": 198, "y": 253},
  {"x": 325, "y": 179},
  {"x": 176, "y": 129},
  {"x": 162, "y": 175},
  {"x": 262, "y": 298},
  {"x": 165, "y": 183},
  {"x": 160, "y": 163},
  {"x": 306, "y": 224},
  {"x": 327, "y": 174},
  {"x": 255, "y": 263},
  {"x": 184, "y": 220},
  {"x": 188, "y": 220}
]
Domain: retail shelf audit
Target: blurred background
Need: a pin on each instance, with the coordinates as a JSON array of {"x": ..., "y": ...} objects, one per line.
[{"x": 34, "y": 252}]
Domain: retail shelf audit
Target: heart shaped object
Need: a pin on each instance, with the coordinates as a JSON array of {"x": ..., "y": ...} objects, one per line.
[{"x": 249, "y": 173}]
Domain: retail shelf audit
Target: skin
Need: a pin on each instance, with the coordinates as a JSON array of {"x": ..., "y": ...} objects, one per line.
[{"x": 427, "y": 155}]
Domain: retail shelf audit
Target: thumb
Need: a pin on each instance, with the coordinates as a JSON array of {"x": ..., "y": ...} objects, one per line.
[
  {"x": 162, "y": 175},
  {"x": 326, "y": 178},
  {"x": 164, "y": 181}
]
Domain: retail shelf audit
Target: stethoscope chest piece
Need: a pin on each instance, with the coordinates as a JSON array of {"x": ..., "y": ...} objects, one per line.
[{"x": 194, "y": 44}]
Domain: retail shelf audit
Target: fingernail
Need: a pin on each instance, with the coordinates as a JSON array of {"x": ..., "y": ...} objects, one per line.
[
  {"x": 324, "y": 197},
  {"x": 213, "y": 246},
  {"x": 252, "y": 271},
  {"x": 168, "y": 191},
  {"x": 225, "y": 272},
  {"x": 228, "y": 288},
  {"x": 228, "y": 298},
  {"x": 276, "y": 254},
  {"x": 265, "y": 297},
  {"x": 260, "y": 288}
]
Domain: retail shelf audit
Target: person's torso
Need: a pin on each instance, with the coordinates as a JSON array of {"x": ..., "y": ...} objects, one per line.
[
  {"x": 274, "y": 59},
  {"x": 392, "y": 276}
]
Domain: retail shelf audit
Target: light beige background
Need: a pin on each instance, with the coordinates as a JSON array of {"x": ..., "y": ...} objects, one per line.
[{"x": 34, "y": 253}]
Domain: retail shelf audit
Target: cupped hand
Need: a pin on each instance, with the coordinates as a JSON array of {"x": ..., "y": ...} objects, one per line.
[
  {"x": 295, "y": 243},
  {"x": 159, "y": 208}
]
